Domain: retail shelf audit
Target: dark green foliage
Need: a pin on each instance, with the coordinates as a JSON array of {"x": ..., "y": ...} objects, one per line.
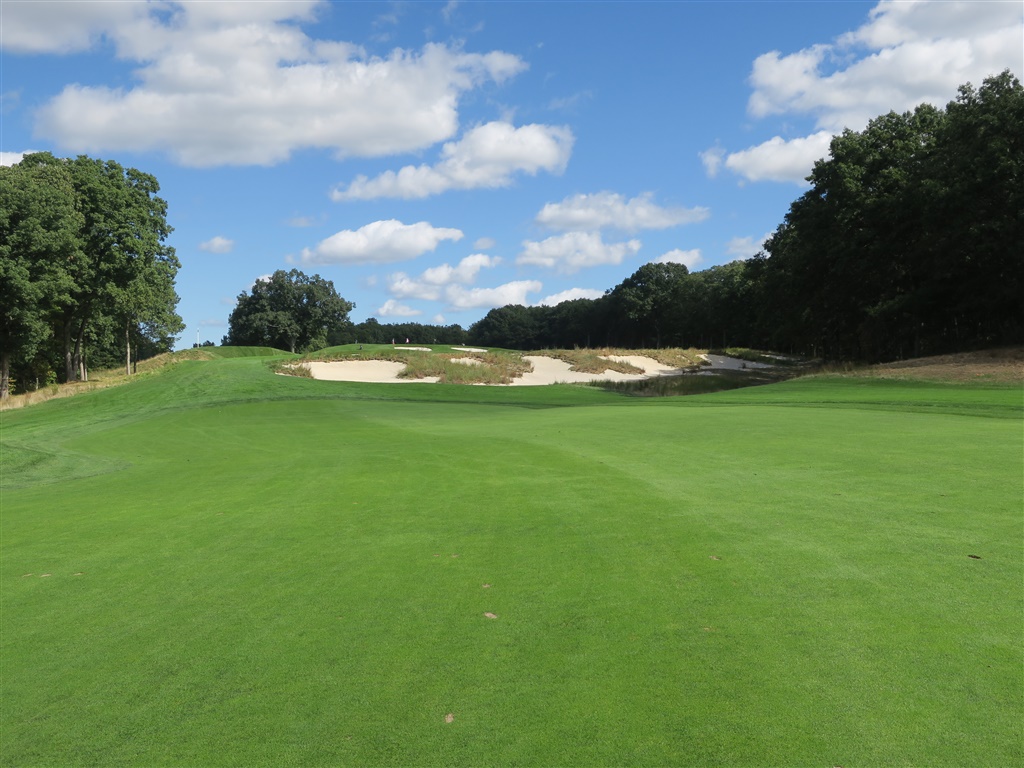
[
  {"x": 373, "y": 332},
  {"x": 289, "y": 310},
  {"x": 84, "y": 272},
  {"x": 910, "y": 242}
]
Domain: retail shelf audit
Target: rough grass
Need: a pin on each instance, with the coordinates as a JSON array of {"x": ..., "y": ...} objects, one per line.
[{"x": 595, "y": 360}]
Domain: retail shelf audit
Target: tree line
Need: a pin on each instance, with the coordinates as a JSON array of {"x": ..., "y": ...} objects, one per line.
[
  {"x": 85, "y": 276},
  {"x": 910, "y": 241},
  {"x": 293, "y": 311}
]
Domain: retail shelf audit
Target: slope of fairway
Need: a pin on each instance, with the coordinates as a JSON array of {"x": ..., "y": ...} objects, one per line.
[{"x": 220, "y": 566}]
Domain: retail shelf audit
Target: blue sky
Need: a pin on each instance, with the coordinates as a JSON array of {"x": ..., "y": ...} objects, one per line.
[{"x": 435, "y": 160}]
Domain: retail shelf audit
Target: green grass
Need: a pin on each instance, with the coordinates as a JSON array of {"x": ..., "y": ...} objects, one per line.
[{"x": 251, "y": 569}]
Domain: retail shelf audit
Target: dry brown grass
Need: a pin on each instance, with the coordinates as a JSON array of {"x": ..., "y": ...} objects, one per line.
[
  {"x": 595, "y": 360},
  {"x": 1005, "y": 366}
]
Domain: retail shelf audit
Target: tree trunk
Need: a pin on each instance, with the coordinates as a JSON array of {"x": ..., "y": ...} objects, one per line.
[
  {"x": 127, "y": 350},
  {"x": 83, "y": 372},
  {"x": 69, "y": 367},
  {"x": 5, "y": 374}
]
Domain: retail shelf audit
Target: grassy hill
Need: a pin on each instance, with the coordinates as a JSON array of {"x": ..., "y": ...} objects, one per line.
[{"x": 216, "y": 565}]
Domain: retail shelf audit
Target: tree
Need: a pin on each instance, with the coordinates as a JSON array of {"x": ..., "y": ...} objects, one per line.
[
  {"x": 288, "y": 310},
  {"x": 643, "y": 300},
  {"x": 513, "y": 327},
  {"x": 39, "y": 226},
  {"x": 82, "y": 252}
]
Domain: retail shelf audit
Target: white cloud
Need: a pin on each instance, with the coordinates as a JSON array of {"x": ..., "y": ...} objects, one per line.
[
  {"x": 465, "y": 272},
  {"x": 573, "y": 251},
  {"x": 438, "y": 319},
  {"x": 780, "y": 160},
  {"x": 217, "y": 244},
  {"x": 488, "y": 156},
  {"x": 380, "y": 242},
  {"x": 484, "y": 244},
  {"x": 241, "y": 84},
  {"x": 449, "y": 9},
  {"x": 907, "y": 53},
  {"x": 429, "y": 284},
  {"x": 44, "y": 28},
  {"x": 405, "y": 287},
  {"x": 13, "y": 158},
  {"x": 745, "y": 247},
  {"x": 392, "y": 308},
  {"x": 573, "y": 293},
  {"x": 689, "y": 258},
  {"x": 607, "y": 209},
  {"x": 460, "y": 297},
  {"x": 712, "y": 159}
]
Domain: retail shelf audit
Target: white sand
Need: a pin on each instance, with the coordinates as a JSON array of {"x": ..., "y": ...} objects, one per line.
[
  {"x": 371, "y": 371},
  {"x": 466, "y": 360},
  {"x": 553, "y": 371},
  {"x": 546, "y": 370},
  {"x": 650, "y": 366},
  {"x": 468, "y": 349},
  {"x": 418, "y": 349}
]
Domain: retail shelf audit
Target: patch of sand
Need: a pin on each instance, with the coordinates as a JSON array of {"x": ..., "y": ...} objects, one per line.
[
  {"x": 550, "y": 370},
  {"x": 546, "y": 370},
  {"x": 417, "y": 349},
  {"x": 369, "y": 371},
  {"x": 468, "y": 349},
  {"x": 467, "y": 360},
  {"x": 650, "y": 366}
]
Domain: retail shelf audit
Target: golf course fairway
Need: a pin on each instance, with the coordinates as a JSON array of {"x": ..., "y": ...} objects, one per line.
[{"x": 217, "y": 565}]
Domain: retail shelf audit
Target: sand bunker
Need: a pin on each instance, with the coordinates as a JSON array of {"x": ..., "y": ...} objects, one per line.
[
  {"x": 546, "y": 370},
  {"x": 649, "y": 365},
  {"x": 468, "y": 349},
  {"x": 370, "y": 371},
  {"x": 418, "y": 349},
  {"x": 550, "y": 370}
]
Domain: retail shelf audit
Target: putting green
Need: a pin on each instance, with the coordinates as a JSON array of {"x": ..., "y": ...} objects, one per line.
[{"x": 216, "y": 565}]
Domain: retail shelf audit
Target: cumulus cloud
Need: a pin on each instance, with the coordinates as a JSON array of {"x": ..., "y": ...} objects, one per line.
[
  {"x": 460, "y": 297},
  {"x": 569, "y": 295},
  {"x": 574, "y": 251},
  {"x": 780, "y": 160},
  {"x": 392, "y": 308},
  {"x": 907, "y": 53},
  {"x": 430, "y": 283},
  {"x": 380, "y": 242},
  {"x": 607, "y": 209},
  {"x": 217, "y": 244},
  {"x": 35, "y": 28},
  {"x": 452, "y": 286},
  {"x": 484, "y": 244},
  {"x": 242, "y": 84},
  {"x": 745, "y": 247},
  {"x": 13, "y": 158},
  {"x": 689, "y": 258},
  {"x": 488, "y": 156},
  {"x": 712, "y": 160}
]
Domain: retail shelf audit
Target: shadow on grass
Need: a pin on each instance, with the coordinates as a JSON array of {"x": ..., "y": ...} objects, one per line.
[{"x": 702, "y": 383}]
